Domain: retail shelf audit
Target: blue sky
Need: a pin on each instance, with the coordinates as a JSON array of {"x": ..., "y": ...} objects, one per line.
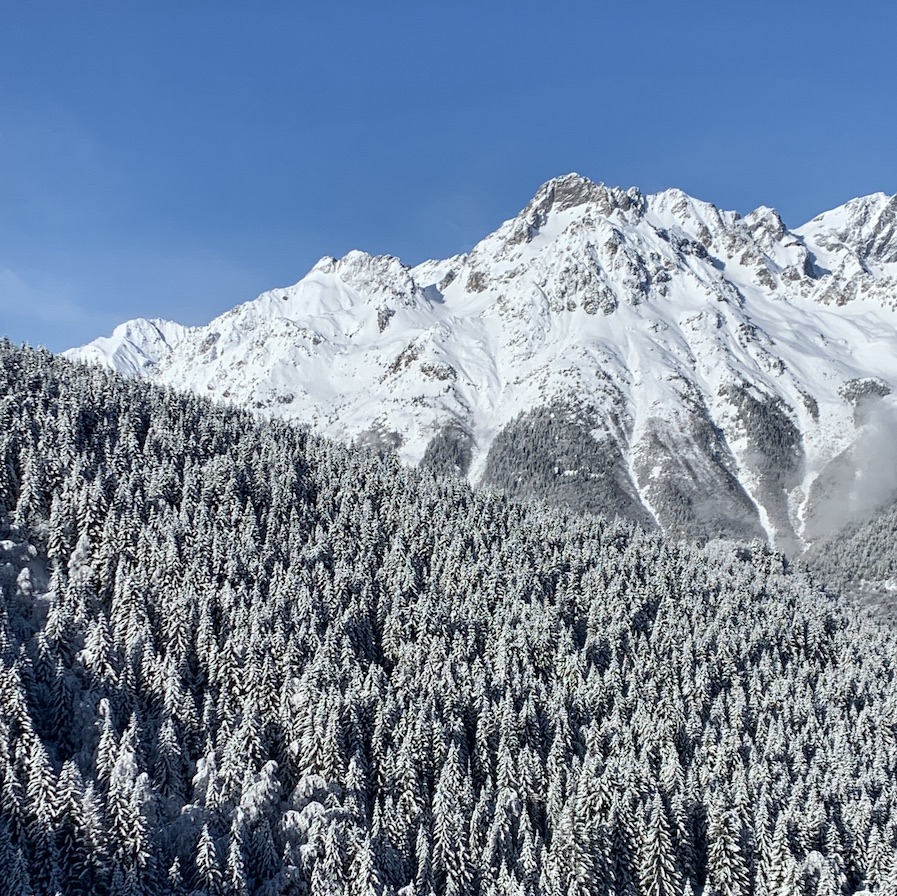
[{"x": 174, "y": 159}]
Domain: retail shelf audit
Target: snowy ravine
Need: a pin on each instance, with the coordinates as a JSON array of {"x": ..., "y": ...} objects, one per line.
[{"x": 651, "y": 356}]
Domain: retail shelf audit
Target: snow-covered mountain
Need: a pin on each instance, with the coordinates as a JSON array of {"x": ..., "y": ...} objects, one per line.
[
  {"x": 134, "y": 347},
  {"x": 650, "y": 355}
]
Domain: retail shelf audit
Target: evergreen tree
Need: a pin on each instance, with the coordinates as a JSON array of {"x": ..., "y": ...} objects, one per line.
[{"x": 658, "y": 872}]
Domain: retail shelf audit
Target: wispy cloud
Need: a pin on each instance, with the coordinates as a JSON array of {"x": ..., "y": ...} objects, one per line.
[{"x": 31, "y": 306}]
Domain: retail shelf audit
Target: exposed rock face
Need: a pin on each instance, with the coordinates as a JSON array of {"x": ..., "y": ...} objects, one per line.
[{"x": 652, "y": 356}]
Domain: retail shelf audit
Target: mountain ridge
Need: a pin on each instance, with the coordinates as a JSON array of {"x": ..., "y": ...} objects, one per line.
[{"x": 710, "y": 373}]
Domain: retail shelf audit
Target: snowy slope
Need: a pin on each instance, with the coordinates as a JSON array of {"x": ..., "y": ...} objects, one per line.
[
  {"x": 671, "y": 361},
  {"x": 134, "y": 347}
]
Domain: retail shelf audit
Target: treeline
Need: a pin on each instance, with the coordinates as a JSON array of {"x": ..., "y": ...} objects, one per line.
[{"x": 239, "y": 659}]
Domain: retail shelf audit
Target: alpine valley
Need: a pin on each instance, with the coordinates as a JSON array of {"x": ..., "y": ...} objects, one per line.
[{"x": 650, "y": 356}]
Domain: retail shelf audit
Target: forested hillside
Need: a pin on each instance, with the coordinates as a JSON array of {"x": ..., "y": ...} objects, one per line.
[
  {"x": 240, "y": 659},
  {"x": 860, "y": 561}
]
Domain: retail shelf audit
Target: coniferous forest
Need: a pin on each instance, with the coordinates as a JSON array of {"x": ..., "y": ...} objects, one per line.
[{"x": 240, "y": 659}]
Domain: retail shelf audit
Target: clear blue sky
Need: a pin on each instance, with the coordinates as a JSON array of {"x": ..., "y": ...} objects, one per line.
[{"x": 173, "y": 159}]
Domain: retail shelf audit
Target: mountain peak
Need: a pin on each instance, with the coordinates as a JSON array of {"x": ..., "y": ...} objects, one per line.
[
  {"x": 572, "y": 190},
  {"x": 135, "y": 346},
  {"x": 767, "y": 221},
  {"x": 867, "y": 225},
  {"x": 703, "y": 219},
  {"x": 377, "y": 277}
]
